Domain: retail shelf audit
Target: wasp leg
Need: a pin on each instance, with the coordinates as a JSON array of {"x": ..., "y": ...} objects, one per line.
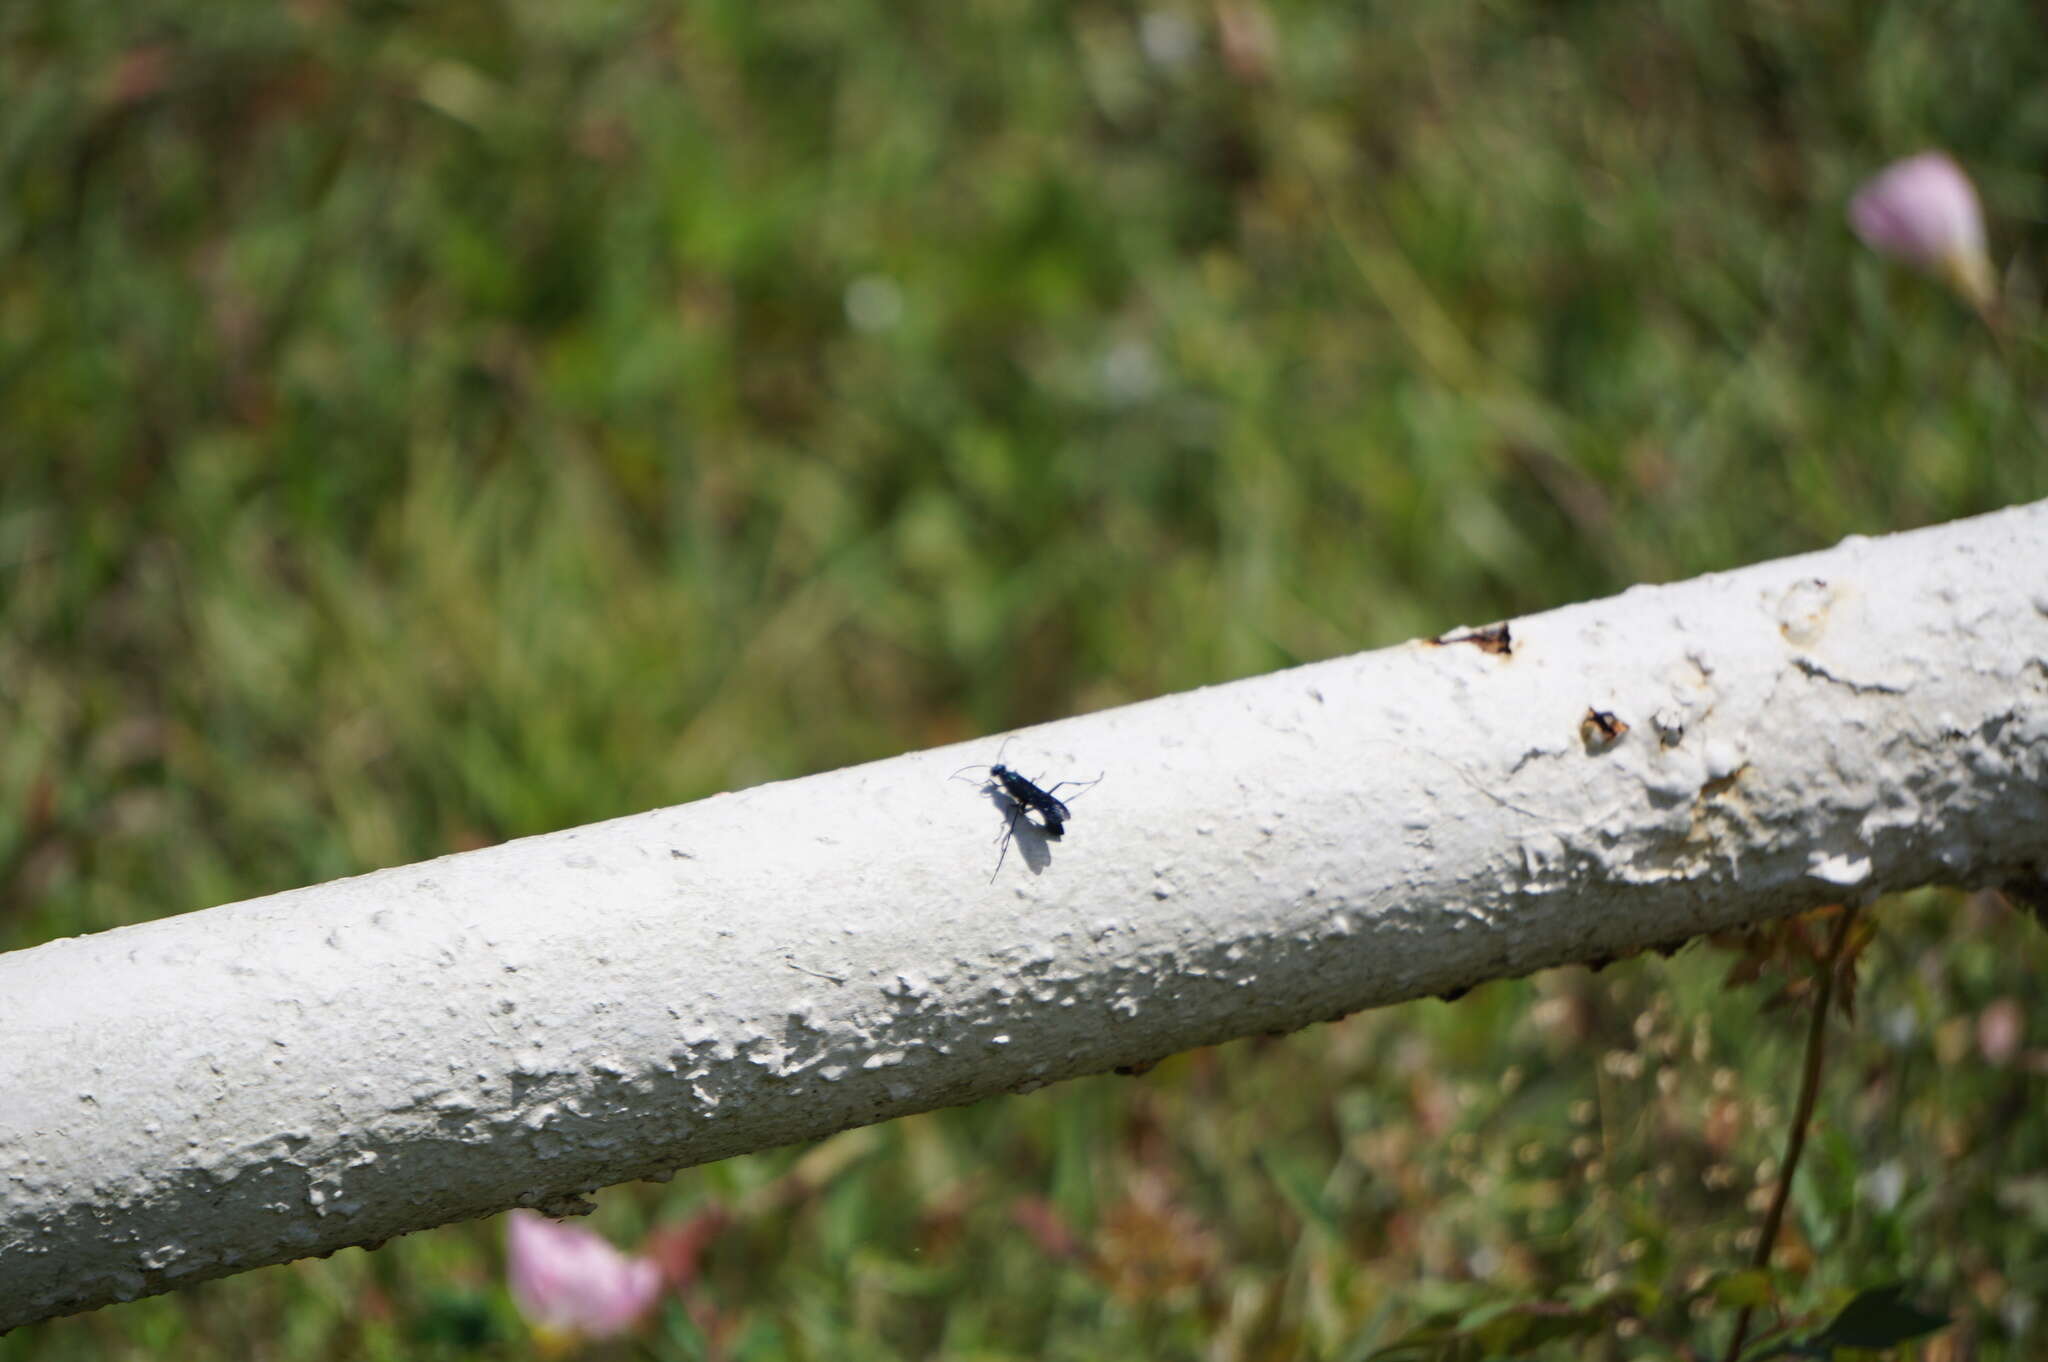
[{"x": 1009, "y": 831}]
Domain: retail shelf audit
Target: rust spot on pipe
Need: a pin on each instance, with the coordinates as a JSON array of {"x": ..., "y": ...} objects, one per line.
[
  {"x": 1601, "y": 729},
  {"x": 1721, "y": 785},
  {"x": 1494, "y": 638}
]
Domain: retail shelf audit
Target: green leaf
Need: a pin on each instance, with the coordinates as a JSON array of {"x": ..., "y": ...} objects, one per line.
[
  {"x": 1304, "y": 1192},
  {"x": 1532, "y": 1324},
  {"x": 1419, "y": 1343},
  {"x": 1751, "y": 1286},
  {"x": 1878, "y": 1318}
]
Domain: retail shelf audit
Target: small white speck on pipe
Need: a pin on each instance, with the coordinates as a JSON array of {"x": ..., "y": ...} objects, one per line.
[{"x": 517, "y": 1026}]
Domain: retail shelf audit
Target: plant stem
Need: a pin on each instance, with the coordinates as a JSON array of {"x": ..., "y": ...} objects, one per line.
[{"x": 1795, "y": 1143}]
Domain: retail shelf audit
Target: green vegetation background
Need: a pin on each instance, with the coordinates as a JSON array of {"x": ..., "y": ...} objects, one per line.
[{"x": 423, "y": 425}]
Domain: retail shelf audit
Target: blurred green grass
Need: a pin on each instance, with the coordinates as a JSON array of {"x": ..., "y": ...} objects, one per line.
[{"x": 427, "y": 425}]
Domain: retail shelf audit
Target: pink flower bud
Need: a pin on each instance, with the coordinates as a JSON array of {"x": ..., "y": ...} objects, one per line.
[
  {"x": 2001, "y": 1028},
  {"x": 1923, "y": 210},
  {"x": 571, "y": 1284}
]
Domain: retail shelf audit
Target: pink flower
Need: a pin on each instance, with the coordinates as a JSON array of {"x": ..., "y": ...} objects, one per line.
[
  {"x": 571, "y": 1284},
  {"x": 2001, "y": 1027},
  {"x": 1923, "y": 210}
]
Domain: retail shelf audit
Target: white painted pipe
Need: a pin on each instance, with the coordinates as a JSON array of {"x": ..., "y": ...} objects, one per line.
[{"x": 341, "y": 1064}]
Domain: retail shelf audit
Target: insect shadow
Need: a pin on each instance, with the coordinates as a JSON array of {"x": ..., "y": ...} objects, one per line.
[{"x": 1019, "y": 798}]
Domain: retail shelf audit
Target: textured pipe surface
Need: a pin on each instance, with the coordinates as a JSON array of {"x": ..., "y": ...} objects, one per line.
[{"x": 343, "y": 1063}]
